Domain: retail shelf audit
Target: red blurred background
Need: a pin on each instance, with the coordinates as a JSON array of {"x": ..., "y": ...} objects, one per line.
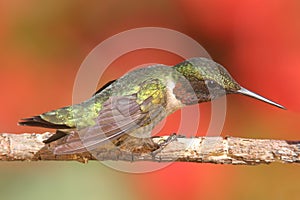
[{"x": 44, "y": 43}]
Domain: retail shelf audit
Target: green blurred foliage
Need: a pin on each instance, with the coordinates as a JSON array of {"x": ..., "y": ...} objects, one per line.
[{"x": 54, "y": 180}]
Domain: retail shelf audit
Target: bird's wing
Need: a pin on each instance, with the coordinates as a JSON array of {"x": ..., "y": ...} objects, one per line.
[{"x": 120, "y": 115}]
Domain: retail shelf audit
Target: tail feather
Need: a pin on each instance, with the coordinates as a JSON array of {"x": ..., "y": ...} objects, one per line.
[
  {"x": 38, "y": 121},
  {"x": 59, "y": 134}
]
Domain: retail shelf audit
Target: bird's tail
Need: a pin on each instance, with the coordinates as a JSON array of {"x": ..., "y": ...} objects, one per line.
[
  {"x": 48, "y": 120},
  {"x": 40, "y": 122}
]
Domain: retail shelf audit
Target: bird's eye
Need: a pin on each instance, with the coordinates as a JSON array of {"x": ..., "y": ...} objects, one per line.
[{"x": 211, "y": 84}]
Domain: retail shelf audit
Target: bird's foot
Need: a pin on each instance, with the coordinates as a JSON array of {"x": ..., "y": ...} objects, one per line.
[
  {"x": 137, "y": 145},
  {"x": 171, "y": 138}
]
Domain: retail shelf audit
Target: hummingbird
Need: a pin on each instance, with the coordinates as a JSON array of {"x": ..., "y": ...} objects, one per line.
[{"x": 126, "y": 110}]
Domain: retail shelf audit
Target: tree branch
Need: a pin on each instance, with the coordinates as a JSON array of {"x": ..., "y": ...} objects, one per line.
[{"x": 218, "y": 150}]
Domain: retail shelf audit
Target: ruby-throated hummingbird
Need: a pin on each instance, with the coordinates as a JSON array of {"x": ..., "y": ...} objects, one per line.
[{"x": 134, "y": 104}]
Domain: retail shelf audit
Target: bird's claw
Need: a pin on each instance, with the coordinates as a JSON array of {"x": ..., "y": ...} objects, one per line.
[{"x": 171, "y": 138}]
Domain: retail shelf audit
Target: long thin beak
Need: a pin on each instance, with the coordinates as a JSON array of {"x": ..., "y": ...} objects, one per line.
[{"x": 256, "y": 96}]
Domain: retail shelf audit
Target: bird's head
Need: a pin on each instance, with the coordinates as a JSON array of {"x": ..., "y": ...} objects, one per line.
[{"x": 208, "y": 80}]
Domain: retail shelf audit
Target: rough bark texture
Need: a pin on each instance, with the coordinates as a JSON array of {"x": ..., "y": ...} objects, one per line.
[{"x": 218, "y": 150}]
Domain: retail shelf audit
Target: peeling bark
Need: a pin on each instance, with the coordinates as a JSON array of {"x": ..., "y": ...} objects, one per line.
[{"x": 218, "y": 150}]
